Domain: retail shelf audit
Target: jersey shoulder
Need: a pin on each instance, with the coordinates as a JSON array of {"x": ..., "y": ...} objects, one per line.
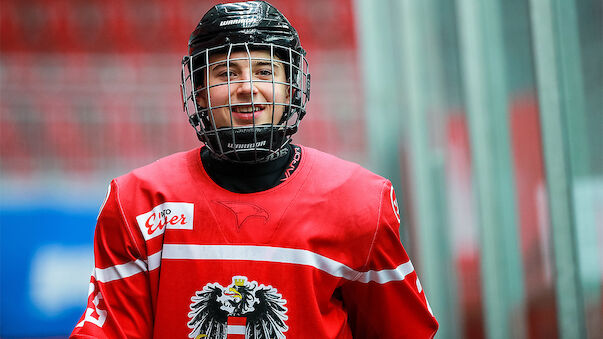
[
  {"x": 331, "y": 169},
  {"x": 175, "y": 170},
  {"x": 342, "y": 183}
]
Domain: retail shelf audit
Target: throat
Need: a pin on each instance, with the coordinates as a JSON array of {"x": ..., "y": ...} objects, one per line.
[{"x": 251, "y": 178}]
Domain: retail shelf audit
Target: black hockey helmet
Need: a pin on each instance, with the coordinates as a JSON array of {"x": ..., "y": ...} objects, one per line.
[{"x": 235, "y": 27}]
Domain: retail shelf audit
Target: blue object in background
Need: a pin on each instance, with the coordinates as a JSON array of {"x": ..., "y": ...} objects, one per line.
[{"x": 45, "y": 265}]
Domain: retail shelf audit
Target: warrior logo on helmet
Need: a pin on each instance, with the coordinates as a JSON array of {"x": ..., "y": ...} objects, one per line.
[{"x": 241, "y": 308}]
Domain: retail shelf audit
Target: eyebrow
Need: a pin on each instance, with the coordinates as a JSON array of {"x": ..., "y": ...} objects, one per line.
[{"x": 256, "y": 63}]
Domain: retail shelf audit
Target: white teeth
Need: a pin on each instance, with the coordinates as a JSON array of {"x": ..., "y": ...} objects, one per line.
[{"x": 246, "y": 109}]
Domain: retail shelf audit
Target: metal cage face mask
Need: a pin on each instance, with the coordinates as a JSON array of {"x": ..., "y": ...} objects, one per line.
[{"x": 245, "y": 100}]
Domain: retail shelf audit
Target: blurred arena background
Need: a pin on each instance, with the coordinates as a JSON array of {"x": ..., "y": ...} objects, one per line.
[{"x": 470, "y": 107}]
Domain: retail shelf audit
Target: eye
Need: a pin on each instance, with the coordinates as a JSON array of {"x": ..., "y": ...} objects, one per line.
[
  {"x": 225, "y": 74},
  {"x": 265, "y": 72}
]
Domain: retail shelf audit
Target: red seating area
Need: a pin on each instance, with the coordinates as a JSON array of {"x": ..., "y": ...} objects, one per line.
[
  {"x": 93, "y": 86},
  {"x": 148, "y": 26}
]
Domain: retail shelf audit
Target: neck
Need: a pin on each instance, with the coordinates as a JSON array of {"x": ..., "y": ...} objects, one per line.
[{"x": 245, "y": 177}]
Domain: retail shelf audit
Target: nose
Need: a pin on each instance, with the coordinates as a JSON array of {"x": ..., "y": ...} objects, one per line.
[{"x": 247, "y": 86}]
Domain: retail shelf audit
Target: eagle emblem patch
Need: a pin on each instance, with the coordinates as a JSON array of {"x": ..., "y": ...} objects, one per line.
[{"x": 243, "y": 309}]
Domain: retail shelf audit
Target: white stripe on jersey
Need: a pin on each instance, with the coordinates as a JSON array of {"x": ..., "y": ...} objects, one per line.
[
  {"x": 128, "y": 269},
  {"x": 384, "y": 276},
  {"x": 254, "y": 253},
  {"x": 154, "y": 261},
  {"x": 258, "y": 253},
  {"x": 284, "y": 255},
  {"x": 120, "y": 271}
]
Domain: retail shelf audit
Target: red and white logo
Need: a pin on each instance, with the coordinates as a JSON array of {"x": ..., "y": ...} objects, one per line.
[
  {"x": 241, "y": 310},
  {"x": 172, "y": 215},
  {"x": 236, "y": 327}
]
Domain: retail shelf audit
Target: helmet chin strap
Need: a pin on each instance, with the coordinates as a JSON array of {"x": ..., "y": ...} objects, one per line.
[{"x": 248, "y": 144}]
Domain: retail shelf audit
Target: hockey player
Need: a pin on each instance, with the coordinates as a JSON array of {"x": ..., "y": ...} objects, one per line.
[{"x": 251, "y": 236}]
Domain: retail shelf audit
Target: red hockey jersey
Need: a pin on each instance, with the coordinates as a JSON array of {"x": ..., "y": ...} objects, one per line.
[{"x": 318, "y": 256}]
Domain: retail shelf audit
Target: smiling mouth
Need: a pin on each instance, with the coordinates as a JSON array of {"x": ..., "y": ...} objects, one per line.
[
  {"x": 247, "y": 109},
  {"x": 247, "y": 114}
]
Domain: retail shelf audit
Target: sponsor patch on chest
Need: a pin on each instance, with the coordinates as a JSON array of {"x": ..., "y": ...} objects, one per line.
[{"x": 169, "y": 215}]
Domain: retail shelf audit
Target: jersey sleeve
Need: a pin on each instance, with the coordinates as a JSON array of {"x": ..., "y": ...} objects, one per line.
[
  {"x": 119, "y": 303},
  {"x": 386, "y": 299}
]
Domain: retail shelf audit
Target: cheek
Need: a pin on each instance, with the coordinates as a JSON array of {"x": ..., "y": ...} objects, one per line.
[
  {"x": 218, "y": 95},
  {"x": 221, "y": 116},
  {"x": 281, "y": 94}
]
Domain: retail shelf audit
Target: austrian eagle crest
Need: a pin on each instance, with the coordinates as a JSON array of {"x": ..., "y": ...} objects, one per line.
[{"x": 241, "y": 308}]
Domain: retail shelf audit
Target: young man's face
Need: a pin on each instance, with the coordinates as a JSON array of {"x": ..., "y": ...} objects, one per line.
[{"x": 266, "y": 96}]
